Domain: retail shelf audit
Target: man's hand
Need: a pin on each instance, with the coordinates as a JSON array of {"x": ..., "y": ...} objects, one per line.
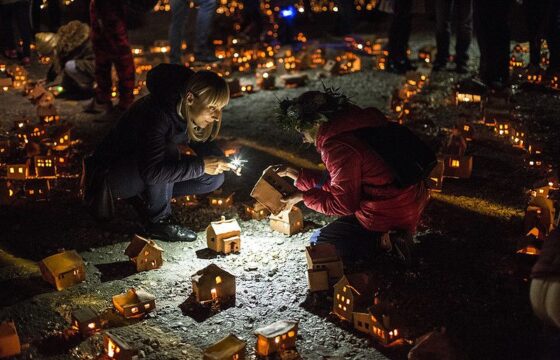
[
  {"x": 287, "y": 171},
  {"x": 214, "y": 165},
  {"x": 290, "y": 201}
]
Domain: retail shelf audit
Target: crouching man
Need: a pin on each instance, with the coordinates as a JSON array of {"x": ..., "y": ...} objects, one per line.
[
  {"x": 142, "y": 157},
  {"x": 358, "y": 185}
]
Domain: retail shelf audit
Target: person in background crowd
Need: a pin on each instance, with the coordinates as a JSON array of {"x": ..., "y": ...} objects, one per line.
[
  {"x": 493, "y": 35},
  {"x": 144, "y": 154},
  {"x": 53, "y": 11},
  {"x": 358, "y": 184},
  {"x": 252, "y": 24},
  {"x": 461, "y": 13},
  {"x": 110, "y": 45},
  {"x": 543, "y": 22},
  {"x": 18, "y": 11},
  {"x": 399, "y": 34},
  {"x": 73, "y": 66},
  {"x": 204, "y": 17}
]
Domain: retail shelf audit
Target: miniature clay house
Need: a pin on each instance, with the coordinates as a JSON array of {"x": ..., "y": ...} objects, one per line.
[
  {"x": 45, "y": 166},
  {"x": 381, "y": 322},
  {"x": 352, "y": 293},
  {"x": 276, "y": 337},
  {"x": 63, "y": 270},
  {"x": 270, "y": 188},
  {"x": 469, "y": 92},
  {"x": 213, "y": 284},
  {"x": 62, "y": 139},
  {"x": 220, "y": 200},
  {"x": 435, "y": 179},
  {"x": 459, "y": 167},
  {"x": 37, "y": 189},
  {"x": 187, "y": 200},
  {"x": 539, "y": 217},
  {"x": 256, "y": 211},
  {"x": 17, "y": 171},
  {"x": 229, "y": 348},
  {"x": 117, "y": 349},
  {"x": 224, "y": 236},
  {"x": 48, "y": 114},
  {"x": 287, "y": 223},
  {"x": 323, "y": 266},
  {"x": 145, "y": 254},
  {"x": 135, "y": 303},
  {"x": 9, "y": 340},
  {"x": 86, "y": 321}
]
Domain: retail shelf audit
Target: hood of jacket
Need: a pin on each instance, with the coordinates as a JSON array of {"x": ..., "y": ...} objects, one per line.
[
  {"x": 168, "y": 83},
  {"x": 71, "y": 36},
  {"x": 348, "y": 120}
]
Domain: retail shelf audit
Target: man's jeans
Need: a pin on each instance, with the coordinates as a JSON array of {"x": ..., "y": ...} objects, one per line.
[
  {"x": 204, "y": 18},
  {"x": 461, "y": 12}
]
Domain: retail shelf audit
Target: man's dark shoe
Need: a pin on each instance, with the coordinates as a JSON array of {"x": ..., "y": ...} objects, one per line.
[
  {"x": 400, "y": 67},
  {"x": 167, "y": 230}
]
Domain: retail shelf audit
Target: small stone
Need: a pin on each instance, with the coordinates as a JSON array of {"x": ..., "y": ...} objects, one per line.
[{"x": 141, "y": 354}]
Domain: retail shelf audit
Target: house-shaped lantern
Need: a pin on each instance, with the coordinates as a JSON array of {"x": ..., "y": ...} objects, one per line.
[
  {"x": 17, "y": 171},
  {"x": 187, "y": 200},
  {"x": 229, "y": 348},
  {"x": 427, "y": 53},
  {"x": 37, "y": 189},
  {"x": 213, "y": 284},
  {"x": 48, "y": 114},
  {"x": 323, "y": 266},
  {"x": 135, "y": 303},
  {"x": 459, "y": 167},
  {"x": 144, "y": 253},
  {"x": 352, "y": 293},
  {"x": 518, "y": 139},
  {"x": 61, "y": 138},
  {"x": 385, "y": 325},
  {"x": 504, "y": 128},
  {"x": 496, "y": 110},
  {"x": 116, "y": 348},
  {"x": 160, "y": 47},
  {"x": 416, "y": 79},
  {"x": 8, "y": 192},
  {"x": 219, "y": 199},
  {"x": 86, "y": 321},
  {"x": 435, "y": 179},
  {"x": 291, "y": 81},
  {"x": 469, "y": 92},
  {"x": 276, "y": 337},
  {"x": 45, "y": 166},
  {"x": 224, "y": 236},
  {"x": 19, "y": 77},
  {"x": 63, "y": 270},
  {"x": 257, "y": 211},
  {"x": 467, "y": 131},
  {"x": 5, "y": 82},
  {"x": 9, "y": 340},
  {"x": 266, "y": 80},
  {"x": 287, "y": 222},
  {"x": 539, "y": 217},
  {"x": 234, "y": 88},
  {"x": 535, "y": 76},
  {"x": 270, "y": 189}
]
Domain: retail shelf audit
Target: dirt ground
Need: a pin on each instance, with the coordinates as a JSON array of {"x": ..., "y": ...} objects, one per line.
[{"x": 468, "y": 279}]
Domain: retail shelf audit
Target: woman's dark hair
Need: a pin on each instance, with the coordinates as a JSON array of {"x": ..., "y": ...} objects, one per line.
[{"x": 304, "y": 111}]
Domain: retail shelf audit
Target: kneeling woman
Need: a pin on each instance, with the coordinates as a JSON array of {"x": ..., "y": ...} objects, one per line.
[{"x": 145, "y": 153}]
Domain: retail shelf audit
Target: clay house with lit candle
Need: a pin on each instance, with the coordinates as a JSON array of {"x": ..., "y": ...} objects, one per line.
[
  {"x": 213, "y": 284},
  {"x": 187, "y": 200},
  {"x": 539, "y": 217},
  {"x": 228, "y": 348},
  {"x": 144, "y": 253},
  {"x": 45, "y": 166},
  {"x": 9, "y": 340},
  {"x": 48, "y": 114},
  {"x": 8, "y": 192},
  {"x": 435, "y": 179},
  {"x": 287, "y": 222},
  {"x": 62, "y": 139},
  {"x": 265, "y": 80},
  {"x": 535, "y": 76},
  {"x": 323, "y": 266},
  {"x": 292, "y": 81},
  {"x": 276, "y": 337},
  {"x": 352, "y": 293},
  {"x": 270, "y": 189},
  {"x": 224, "y": 236},
  {"x": 135, "y": 303},
  {"x": 86, "y": 321},
  {"x": 116, "y": 348},
  {"x": 37, "y": 189},
  {"x": 427, "y": 53},
  {"x": 219, "y": 199},
  {"x": 234, "y": 88},
  {"x": 17, "y": 171},
  {"x": 458, "y": 167},
  {"x": 63, "y": 270},
  {"x": 384, "y": 324},
  {"x": 469, "y": 92},
  {"x": 518, "y": 139},
  {"x": 256, "y": 211}
]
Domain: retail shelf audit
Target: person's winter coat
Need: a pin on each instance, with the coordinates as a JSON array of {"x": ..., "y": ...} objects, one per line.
[
  {"x": 73, "y": 43},
  {"x": 548, "y": 264},
  {"x": 151, "y": 130},
  {"x": 357, "y": 181}
]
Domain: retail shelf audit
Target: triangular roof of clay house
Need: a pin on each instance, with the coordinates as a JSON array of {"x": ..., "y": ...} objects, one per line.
[
  {"x": 137, "y": 244},
  {"x": 63, "y": 262},
  {"x": 225, "y": 226},
  {"x": 210, "y": 270},
  {"x": 322, "y": 252},
  {"x": 226, "y": 347}
]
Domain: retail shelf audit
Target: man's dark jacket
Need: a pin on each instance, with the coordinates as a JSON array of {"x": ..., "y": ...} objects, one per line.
[{"x": 151, "y": 129}]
